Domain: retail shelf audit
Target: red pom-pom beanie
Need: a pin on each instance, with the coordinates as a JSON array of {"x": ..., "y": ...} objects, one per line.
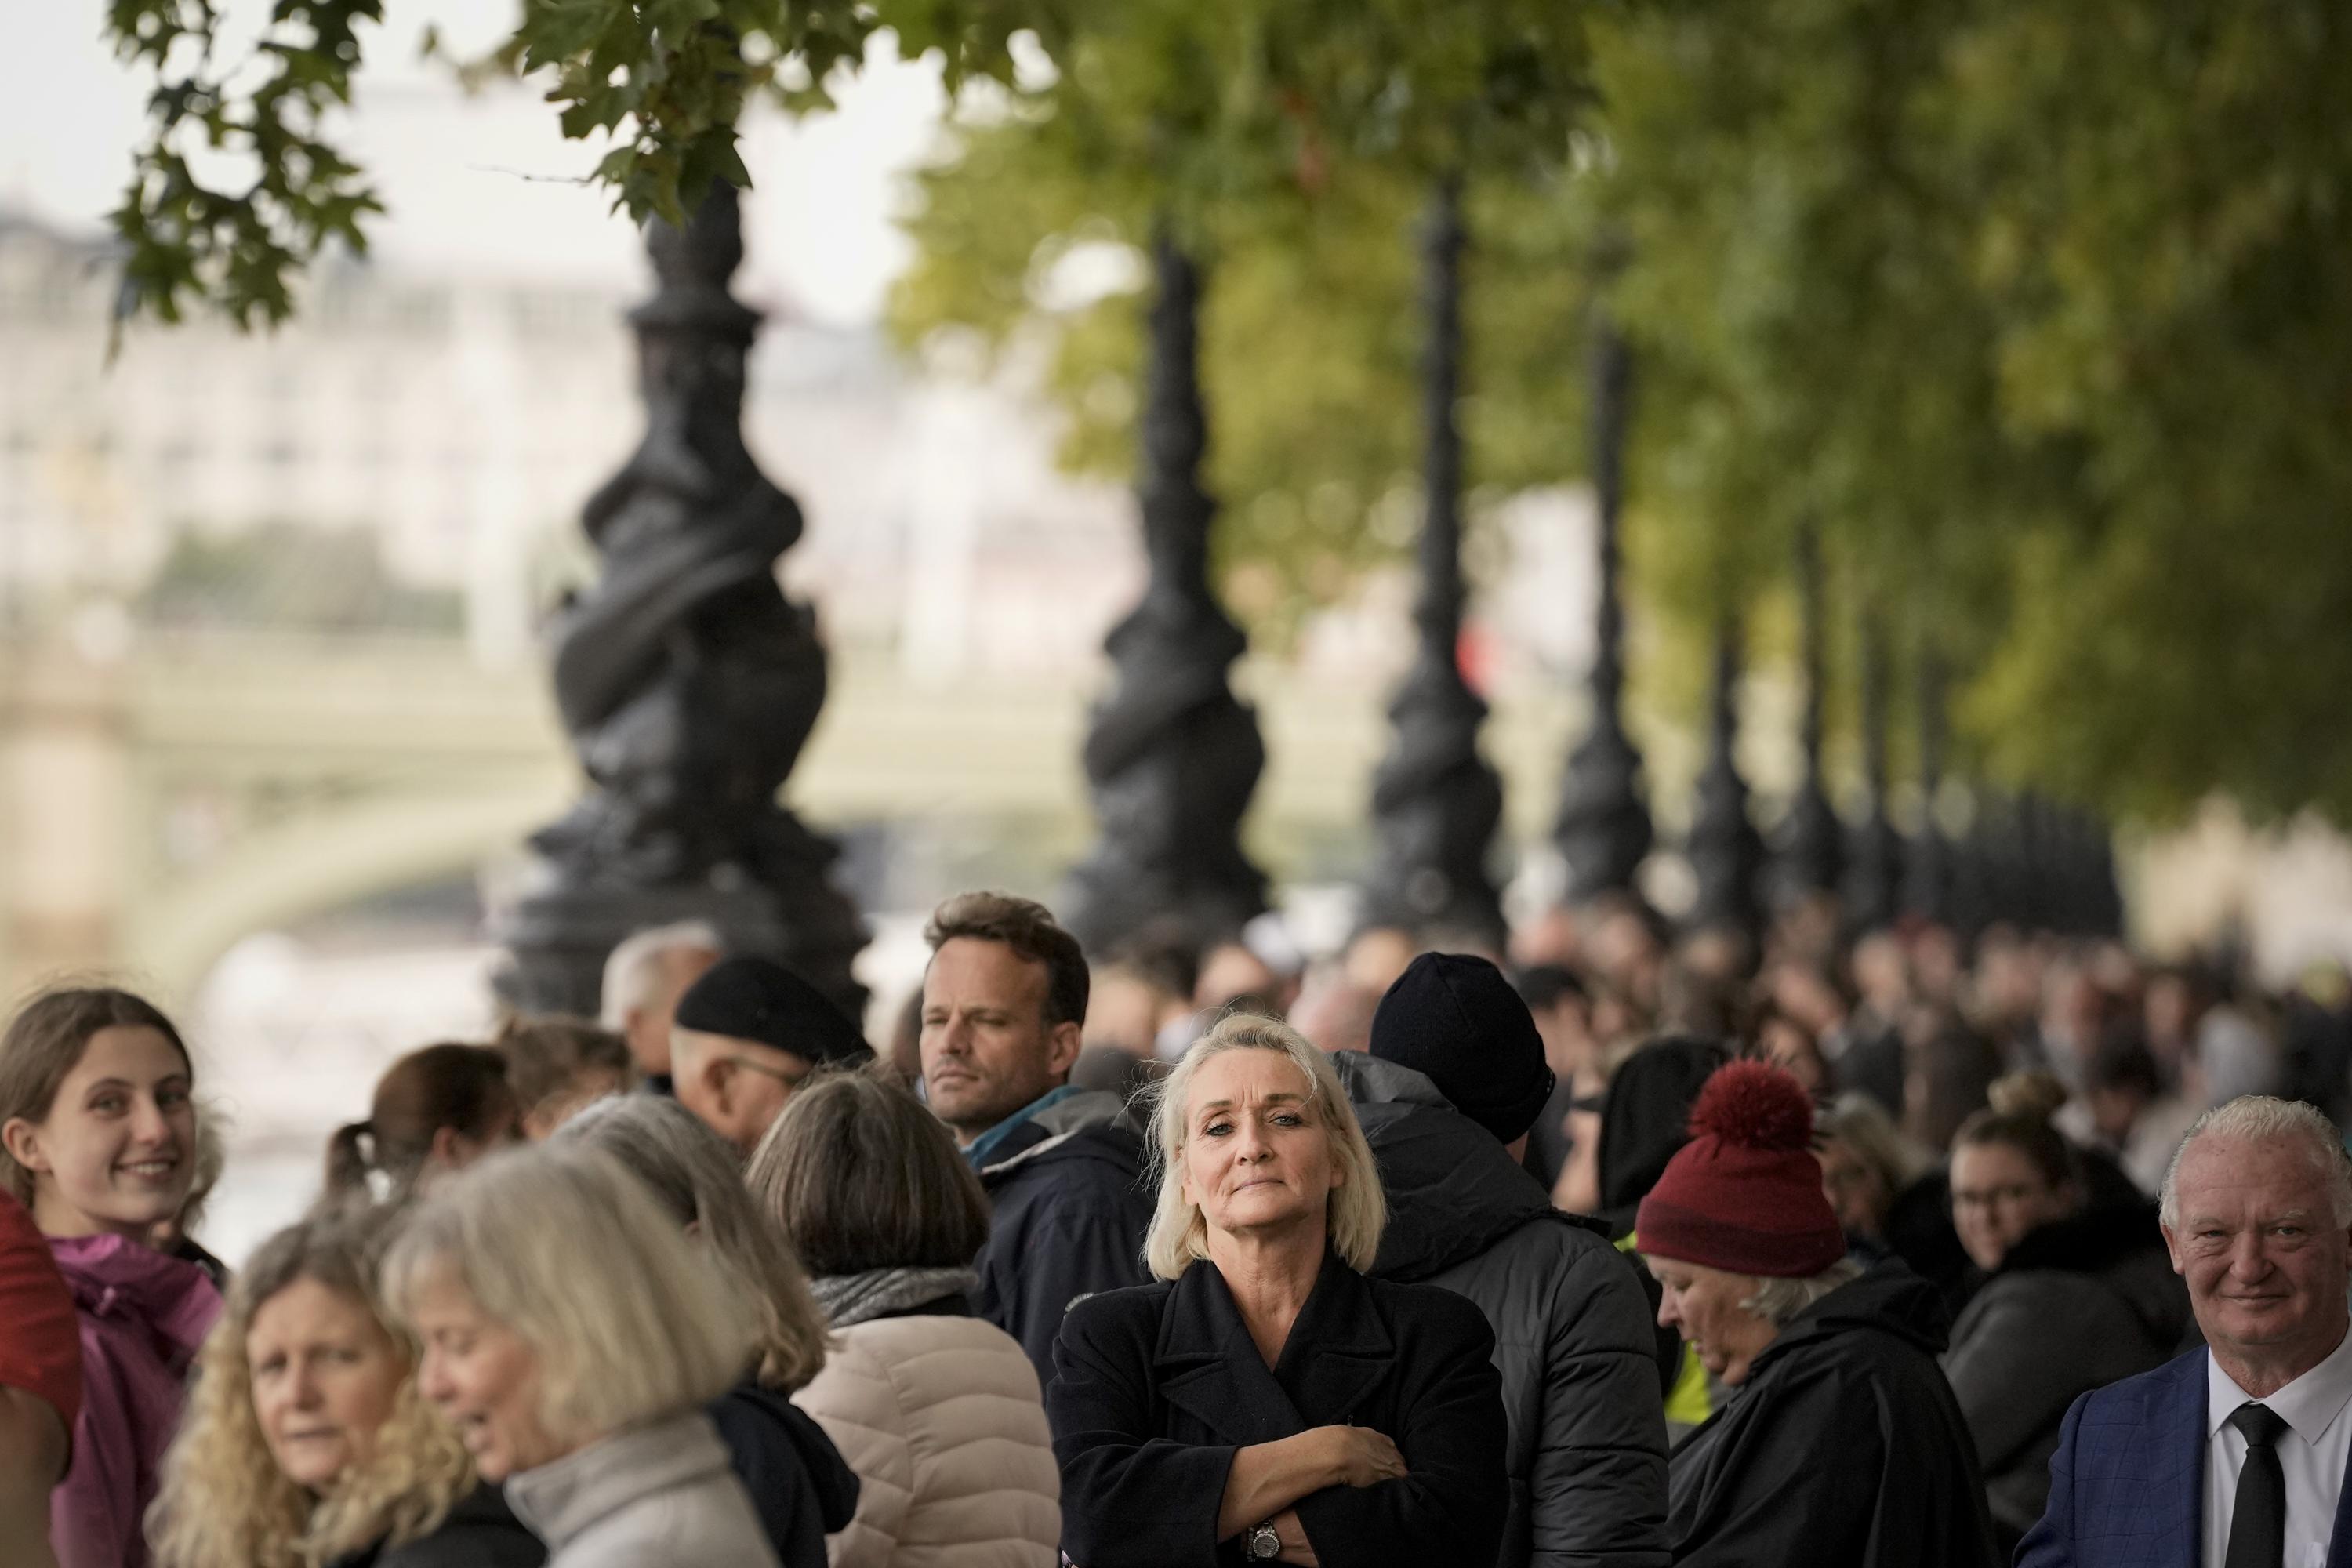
[{"x": 1745, "y": 1193}]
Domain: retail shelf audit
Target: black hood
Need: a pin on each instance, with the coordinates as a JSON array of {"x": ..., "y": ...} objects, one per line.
[
  {"x": 833, "y": 1485},
  {"x": 1888, "y": 1298},
  {"x": 1452, "y": 1190},
  {"x": 1094, "y": 1126},
  {"x": 1645, "y": 1119}
]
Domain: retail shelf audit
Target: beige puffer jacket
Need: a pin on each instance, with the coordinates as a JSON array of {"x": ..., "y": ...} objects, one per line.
[{"x": 943, "y": 1422}]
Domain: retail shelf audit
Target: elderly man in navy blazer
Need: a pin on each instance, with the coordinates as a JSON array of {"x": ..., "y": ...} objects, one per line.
[{"x": 2233, "y": 1456}]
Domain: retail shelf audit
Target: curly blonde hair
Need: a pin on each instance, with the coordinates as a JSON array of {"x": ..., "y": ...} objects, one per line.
[{"x": 224, "y": 1502}]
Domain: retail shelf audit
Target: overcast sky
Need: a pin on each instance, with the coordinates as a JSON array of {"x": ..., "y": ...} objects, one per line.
[{"x": 450, "y": 168}]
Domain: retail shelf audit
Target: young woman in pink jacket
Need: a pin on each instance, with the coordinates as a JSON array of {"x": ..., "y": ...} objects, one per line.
[{"x": 98, "y": 1138}]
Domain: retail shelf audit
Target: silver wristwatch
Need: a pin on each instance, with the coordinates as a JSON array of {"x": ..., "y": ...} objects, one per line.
[{"x": 1264, "y": 1545}]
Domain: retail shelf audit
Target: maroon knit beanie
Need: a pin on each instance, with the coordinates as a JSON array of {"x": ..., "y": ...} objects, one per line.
[{"x": 1745, "y": 1193}]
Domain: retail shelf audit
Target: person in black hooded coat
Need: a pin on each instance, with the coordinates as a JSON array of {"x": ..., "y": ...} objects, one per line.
[
  {"x": 1572, "y": 1333},
  {"x": 1843, "y": 1449},
  {"x": 1841, "y": 1445}
]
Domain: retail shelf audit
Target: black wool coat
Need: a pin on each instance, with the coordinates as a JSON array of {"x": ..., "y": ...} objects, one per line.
[
  {"x": 480, "y": 1531},
  {"x": 1156, "y": 1387},
  {"x": 1843, "y": 1449}
]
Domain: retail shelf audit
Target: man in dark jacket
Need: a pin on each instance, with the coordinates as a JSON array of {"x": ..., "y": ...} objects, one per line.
[
  {"x": 1455, "y": 1080},
  {"x": 1004, "y": 999}
]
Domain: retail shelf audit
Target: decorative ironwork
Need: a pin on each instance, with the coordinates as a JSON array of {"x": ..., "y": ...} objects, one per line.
[
  {"x": 1171, "y": 756},
  {"x": 1927, "y": 874},
  {"x": 1602, "y": 829},
  {"x": 1874, "y": 868},
  {"x": 687, "y": 679},
  {"x": 1435, "y": 801},
  {"x": 1812, "y": 840},
  {"x": 1726, "y": 852}
]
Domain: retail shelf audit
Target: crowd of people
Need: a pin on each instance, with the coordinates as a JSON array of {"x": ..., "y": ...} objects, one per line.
[{"x": 1609, "y": 1248}]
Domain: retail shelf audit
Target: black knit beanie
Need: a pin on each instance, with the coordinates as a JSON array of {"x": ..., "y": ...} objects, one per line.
[
  {"x": 756, "y": 999},
  {"x": 1456, "y": 1021}
]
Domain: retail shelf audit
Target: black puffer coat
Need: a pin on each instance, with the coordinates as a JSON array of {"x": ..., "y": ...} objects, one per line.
[
  {"x": 1844, "y": 1447},
  {"x": 2075, "y": 1306},
  {"x": 1573, "y": 1337}
]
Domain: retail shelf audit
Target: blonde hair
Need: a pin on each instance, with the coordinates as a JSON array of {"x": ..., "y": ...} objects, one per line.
[
  {"x": 1357, "y": 1211},
  {"x": 628, "y": 1320},
  {"x": 692, "y": 1172},
  {"x": 224, "y": 1502}
]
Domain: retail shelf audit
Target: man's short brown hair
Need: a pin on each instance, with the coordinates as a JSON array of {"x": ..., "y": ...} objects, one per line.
[{"x": 1029, "y": 929}]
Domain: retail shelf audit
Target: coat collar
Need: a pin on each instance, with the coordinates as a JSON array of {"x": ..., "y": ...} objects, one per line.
[
  {"x": 1208, "y": 1366},
  {"x": 170, "y": 1299},
  {"x": 565, "y": 1498}
]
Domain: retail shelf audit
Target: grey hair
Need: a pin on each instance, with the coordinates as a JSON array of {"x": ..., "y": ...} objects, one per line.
[
  {"x": 1779, "y": 1301},
  {"x": 629, "y": 1321},
  {"x": 694, "y": 1176},
  {"x": 632, "y": 967},
  {"x": 2261, "y": 1118}
]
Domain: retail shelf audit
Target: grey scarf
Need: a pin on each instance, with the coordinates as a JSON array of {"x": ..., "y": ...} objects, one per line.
[{"x": 849, "y": 1299}]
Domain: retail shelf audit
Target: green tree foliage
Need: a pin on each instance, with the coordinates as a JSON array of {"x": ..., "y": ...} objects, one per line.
[
  {"x": 2041, "y": 307},
  {"x": 239, "y": 184},
  {"x": 1295, "y": 145},
  {"x": 2038, "y": 308}
]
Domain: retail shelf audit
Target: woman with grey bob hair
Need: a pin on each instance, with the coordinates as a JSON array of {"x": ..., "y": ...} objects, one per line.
[
  {"x": 939, "y": 1411},
  {"x": 572, "y": 1335},
  {"x": 798, "y": 1480},
  {"x": 693, "y": 1173},
  {"x": 1268, "y": 1398}
]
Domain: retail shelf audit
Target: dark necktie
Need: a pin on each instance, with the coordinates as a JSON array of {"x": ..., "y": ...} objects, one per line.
[{"x": 2258, "y": 1519}]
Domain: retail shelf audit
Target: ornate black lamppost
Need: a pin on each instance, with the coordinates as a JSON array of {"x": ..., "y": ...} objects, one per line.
[
  {"x": 1171, "y": 756},
  {"x": 1602, "y": 829},
  {"x": 1812, "y": 851},
  {"x": 1928, "y": 880},
  {"x": 687, "y": 681},
  {"x": 1727, "y": 854},
  {"x": 1435, "y": 802},
  {"x": 1875, "y": 866}
]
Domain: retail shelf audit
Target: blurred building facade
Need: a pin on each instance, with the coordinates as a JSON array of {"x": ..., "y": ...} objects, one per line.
[{"x": 460, "y": 422}]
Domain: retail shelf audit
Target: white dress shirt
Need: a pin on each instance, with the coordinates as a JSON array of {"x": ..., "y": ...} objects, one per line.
[{"x": 2312, "y": 1452}]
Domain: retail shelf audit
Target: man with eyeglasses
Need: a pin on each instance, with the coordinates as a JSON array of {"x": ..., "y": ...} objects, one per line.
[{"x": 747, "y": 1035}]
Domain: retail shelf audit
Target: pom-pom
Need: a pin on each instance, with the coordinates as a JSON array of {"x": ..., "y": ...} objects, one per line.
[{"x": 1754, "y": 1104}]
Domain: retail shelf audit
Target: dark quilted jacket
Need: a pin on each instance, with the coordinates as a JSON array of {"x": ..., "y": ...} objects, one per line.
[{"x": 1573, "y": 1337}]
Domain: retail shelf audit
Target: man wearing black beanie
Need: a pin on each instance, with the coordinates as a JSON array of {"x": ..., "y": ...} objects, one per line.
[
  {"x": 748, "y": 1034},
  {"x": 1454, "y": 1078}
]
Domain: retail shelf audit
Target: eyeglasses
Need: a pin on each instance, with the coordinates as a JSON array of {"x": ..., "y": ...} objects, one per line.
[
  {"x": 789, "y": 1079},
  {"x": 1994, "y": 1197}
]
